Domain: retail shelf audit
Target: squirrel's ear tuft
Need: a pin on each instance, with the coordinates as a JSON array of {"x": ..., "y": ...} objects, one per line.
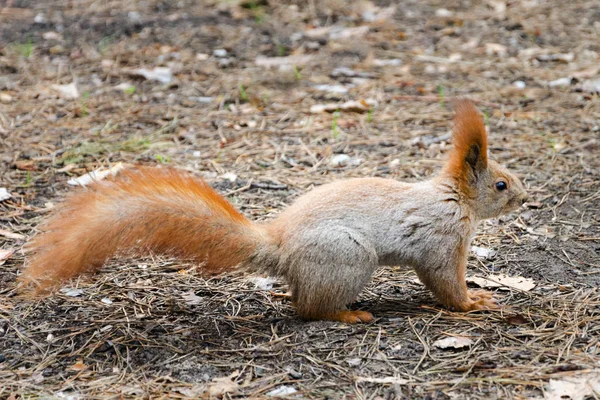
[{"x": 469, "y": 156}]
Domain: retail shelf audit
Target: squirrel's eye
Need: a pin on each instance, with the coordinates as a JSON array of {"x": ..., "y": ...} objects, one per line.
[{"x": 501, "y": 185}]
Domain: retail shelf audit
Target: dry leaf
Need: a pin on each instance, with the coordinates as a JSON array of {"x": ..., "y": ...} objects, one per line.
[
  {"x": 5, "y": 255},
  {"x": 71, "y": 292},
  {"x": 577, "y": 387},
  {"x": 359, "y": 106},
  {"x": 78, "y": 366},
  {"x": 5, "y": 98},
  {"x": 11, "y": 235},
  {"x": 96, "y": 175},
  {"x": 4, "y": 195},
  {"x": 282, "y": 391},
  {"x": 220, "y": 386},
  {"x": 591, "y": 86},
  {"x": 391, "y": 380},
  {"x": 268, "y": 62},
  {"x": 159, "y": 74},
  {"x": 453, "y": 342},
  {"x": 483, "y": 252},
  {"x": 340, "y": 89},
  {"x": 191, "y": 298},
  {"x": 503, "y": 282},
  {"x": 26, "y": 165},
  {"x": 263, "y": 283},
  {"x": 193, "y": 392},
  {"x": 68, "y": 92}
]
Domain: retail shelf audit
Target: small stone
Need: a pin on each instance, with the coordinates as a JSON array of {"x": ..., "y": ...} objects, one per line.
[
  {"x": 443, "y": 13},
  {"x": 51, "y": 35},
  {"x": 5, "y": 98},
  {"x": 561, "y": 82},
  {"x": 221, "y": 53},
  {"x": 339, "y": 160},
  {"x": 519, "y": 84},
  {"x": 134, "y": 17}
]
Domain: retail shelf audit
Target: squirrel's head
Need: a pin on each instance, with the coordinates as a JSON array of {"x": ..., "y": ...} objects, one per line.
[{"x": 489, "y": 188}]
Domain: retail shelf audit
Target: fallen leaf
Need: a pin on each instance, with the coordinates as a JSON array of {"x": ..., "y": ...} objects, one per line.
[
  {"x": 96, "y": 175},
  {"x": 347, "y": 33},
  {"x": 336, "y": 32},
  {"x": 495, "y": 49},
  {"x": 561, "y": 82},
  {"x": 483, "y": 252},
  {"x": 159, "y": 74},
  {"x": 394, "y": 62},
  {"x": 350, "y": 73},
  {"x": 5, "y": 255},
  {"x": 68, "y": 92},
  {"x": 191, "y": 298},
  {"x": 78, "y": 366},
  {"x": 263, "y": 283},
  {"x": 282, "y": 391},
  {"x": 71, "y": 292},
  {"x": 340, "y": 89},
  {"x": 359, "y": 106},
  {"x": 354, "y": 362},
  {"x": 268, "y": 62},
  {"x": 503, "y": 282},
  {"x": 591, "y": 86},
  {"x": 229, "y": 176},
  {"x": 577, "y": 387},
  {"x": 391, "y": 380},
  {"x": 223, "y": 385},
  {"x": 453, "y": 342},
  {"x": 568, "y": 57},
  {"x": 11, "y": 235},
  {"x": 26, "y": 165},
  {"x": 193, "y": 392},
  {"x": 4, "y": 195},
  {"x": 51, "y": 35},
  {"x": 343, "y": 160},
  {"x": 125, "y": 87},
  {"x": 5, "y": 98}
]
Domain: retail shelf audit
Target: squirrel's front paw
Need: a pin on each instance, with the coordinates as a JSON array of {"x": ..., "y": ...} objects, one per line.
[{"x": 482, "y": 300}]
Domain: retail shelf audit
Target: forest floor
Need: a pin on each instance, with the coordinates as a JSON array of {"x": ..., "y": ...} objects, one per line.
[{"x": 238, "y": 100}]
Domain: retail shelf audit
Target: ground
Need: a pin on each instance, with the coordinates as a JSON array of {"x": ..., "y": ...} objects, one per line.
[{"x": 157, "y": 328}]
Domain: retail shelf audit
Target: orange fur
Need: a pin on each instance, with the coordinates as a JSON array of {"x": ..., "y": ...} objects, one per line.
[
  {"x": 144, "y": 209},
  {"x": 349, "y": 316},
  {"x": 469, "y": 133}
]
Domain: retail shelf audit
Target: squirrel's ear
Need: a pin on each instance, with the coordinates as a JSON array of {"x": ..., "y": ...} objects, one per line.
[{"x": 469, "y": 156}]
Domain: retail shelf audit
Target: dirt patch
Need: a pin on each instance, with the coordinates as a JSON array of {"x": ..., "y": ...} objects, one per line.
[{"x": 153, "y": 327}]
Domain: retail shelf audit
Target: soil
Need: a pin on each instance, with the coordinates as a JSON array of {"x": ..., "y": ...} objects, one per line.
[{"x": 155, "y": 327}]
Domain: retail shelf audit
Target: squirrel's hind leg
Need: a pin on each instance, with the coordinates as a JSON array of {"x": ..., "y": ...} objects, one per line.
[{"x": 329, "y": 273}]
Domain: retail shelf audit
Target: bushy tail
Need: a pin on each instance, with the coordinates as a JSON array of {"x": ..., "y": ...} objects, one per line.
[{"x": 147, "y": 209}]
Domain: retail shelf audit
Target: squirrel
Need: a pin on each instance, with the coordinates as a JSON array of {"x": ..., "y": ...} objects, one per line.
[{"x": 326, "y": 245}]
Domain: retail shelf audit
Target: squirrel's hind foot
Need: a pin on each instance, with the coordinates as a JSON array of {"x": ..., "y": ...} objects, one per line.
[{"x": 350, "y": 316}]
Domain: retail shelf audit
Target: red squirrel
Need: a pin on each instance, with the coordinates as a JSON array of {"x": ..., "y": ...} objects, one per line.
[{"x": 326, "y": 245}]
